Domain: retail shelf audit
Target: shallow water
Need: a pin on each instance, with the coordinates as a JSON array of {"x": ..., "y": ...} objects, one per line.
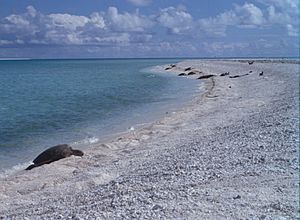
[{"x": 48, "y": 102}]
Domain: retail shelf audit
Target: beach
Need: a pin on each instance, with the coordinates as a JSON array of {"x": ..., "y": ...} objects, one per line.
[{"x": 230, "y": 153}]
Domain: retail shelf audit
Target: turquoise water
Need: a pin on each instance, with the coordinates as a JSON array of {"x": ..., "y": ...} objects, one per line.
[{"x": 48, "y": 102}]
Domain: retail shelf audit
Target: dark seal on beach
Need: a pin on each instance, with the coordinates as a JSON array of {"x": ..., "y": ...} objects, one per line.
[
  {"x": 206, "y": 76},
  {"x": 53, "y": 154},
  {"x": 191, "y": 73}
]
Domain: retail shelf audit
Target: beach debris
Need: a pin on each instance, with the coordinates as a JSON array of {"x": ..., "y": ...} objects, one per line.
[
  {"x": 261, "y": 73},
  {"x": 206, "y": 76},
  {"x": 224, "y": 74},
  {"x": 181, "y": 74},
  {"x": 188, "y": 69},
  {"x": 250, "y": 62},
  {"x": 236, "y": 76},
  {"x": 53, "y": 154}
]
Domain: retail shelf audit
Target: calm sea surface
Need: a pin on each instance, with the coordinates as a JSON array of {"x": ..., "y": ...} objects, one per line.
[{"x": 48, "y": 102}]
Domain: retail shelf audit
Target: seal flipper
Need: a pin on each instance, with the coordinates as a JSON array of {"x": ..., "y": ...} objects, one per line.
[{"x": 31, "y": 167}]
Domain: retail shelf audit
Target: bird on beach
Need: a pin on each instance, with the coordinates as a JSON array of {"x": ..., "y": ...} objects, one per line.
[{"x": 261, "y": 73}]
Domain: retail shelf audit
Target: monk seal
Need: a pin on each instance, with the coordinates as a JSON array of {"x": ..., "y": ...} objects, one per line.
[
  {"x": 206, "y": 76},
  {"x": 53, "y": 154}
]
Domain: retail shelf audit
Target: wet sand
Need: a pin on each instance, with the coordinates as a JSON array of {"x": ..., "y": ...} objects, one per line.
[{"x": 231, "y": 153}]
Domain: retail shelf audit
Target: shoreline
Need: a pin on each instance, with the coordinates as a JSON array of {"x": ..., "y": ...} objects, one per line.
[
  {"x": 213, "y": 158},
  {"x": 99, "y": 129}
]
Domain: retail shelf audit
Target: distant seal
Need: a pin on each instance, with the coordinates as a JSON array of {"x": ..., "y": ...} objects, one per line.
[
  {"x": 191, "y": 73},
  {"x": 224, "y": 74},
  {"x": 206, "y": 76},
  {"x": 188, "y": 69},
  {"x": 53, "y": 154}
]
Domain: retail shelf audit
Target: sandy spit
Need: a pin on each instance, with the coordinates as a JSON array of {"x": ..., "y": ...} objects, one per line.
[{"x": 231, "y": 153}]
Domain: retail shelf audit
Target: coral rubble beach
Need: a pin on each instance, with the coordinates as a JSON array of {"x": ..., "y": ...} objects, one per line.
[{"x": 231, "y": 153}]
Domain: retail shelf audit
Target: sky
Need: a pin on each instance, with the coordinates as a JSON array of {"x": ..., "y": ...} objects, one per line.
[{"x": 148, "y": 28}]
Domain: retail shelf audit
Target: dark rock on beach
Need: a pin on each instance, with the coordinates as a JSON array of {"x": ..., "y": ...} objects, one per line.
[
  {"x": 191, "y": 73},
  {"x": 188, "y": 69},
  {"x": 181, "y": 74}
]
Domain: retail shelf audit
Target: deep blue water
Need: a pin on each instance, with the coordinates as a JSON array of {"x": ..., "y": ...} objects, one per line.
[{"x": 48, "y": 102}]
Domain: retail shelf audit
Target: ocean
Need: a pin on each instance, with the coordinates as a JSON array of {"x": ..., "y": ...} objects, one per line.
[{"x": 48, "y": 102}]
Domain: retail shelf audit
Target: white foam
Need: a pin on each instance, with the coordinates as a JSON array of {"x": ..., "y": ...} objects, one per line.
[
  {"x": 14, "y": 169},
  {"x": 92, "y": 140}
]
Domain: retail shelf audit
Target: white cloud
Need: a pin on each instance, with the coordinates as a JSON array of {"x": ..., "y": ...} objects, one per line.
[
  {"x": 287, "y": 6},
  {"x": 175, "y": 19},
  {"x": 33, "y": 27},
  {"x": 249, "y": 15},
  {"x": 117, "y": 38},
  {"x": 17, "y": 23},
  {"x": 245, "y": 16},
  {"x": 6, "y": 42},
  {"x": 127, "y": 21},
  {"x": 67, "y": 21},
  {"x": 218, "y": 48},
  {"x": 277, "y": 13},
  {"x": 31, "y": 11},
  {"x": 132, "y": 30},
  {"x": 97, "y": 20},
  {"x": 275, "y": 17},
  {"x": 292, "y": 31},
  {"x": 140, "y": 2},
  {"x": 284, "y": 13},
  {"x": 217, "y": 26}
]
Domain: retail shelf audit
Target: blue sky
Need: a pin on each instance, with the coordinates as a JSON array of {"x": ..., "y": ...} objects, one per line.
[{"x": 148, "y": 28}]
